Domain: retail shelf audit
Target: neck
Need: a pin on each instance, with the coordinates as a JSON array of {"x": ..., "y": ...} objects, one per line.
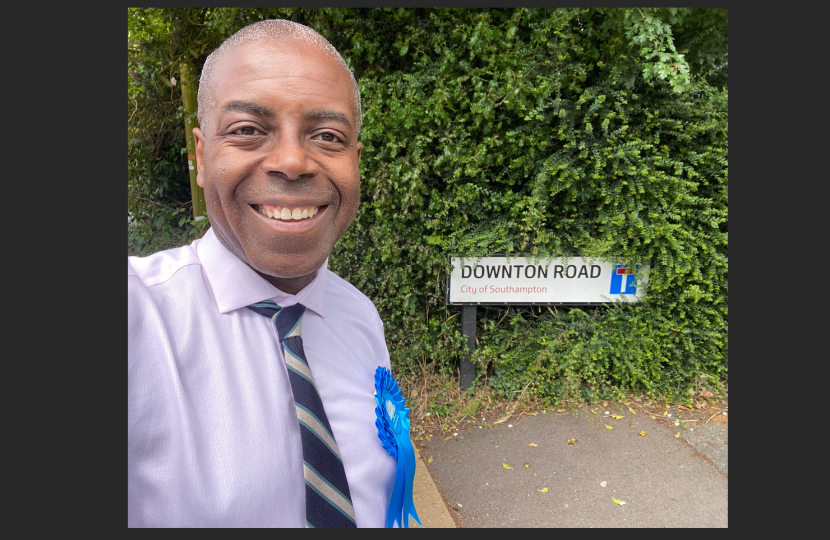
[{"x": 290, "y": 285}]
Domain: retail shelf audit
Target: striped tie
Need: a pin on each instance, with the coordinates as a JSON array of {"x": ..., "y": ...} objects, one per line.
[{"x": 328, "y": 502}]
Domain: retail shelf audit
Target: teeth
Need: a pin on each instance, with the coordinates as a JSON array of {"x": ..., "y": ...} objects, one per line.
[{"x": 277, "y": 212}]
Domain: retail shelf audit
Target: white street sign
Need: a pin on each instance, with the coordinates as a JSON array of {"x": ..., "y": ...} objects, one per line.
[{"x": 494, "y": 280}]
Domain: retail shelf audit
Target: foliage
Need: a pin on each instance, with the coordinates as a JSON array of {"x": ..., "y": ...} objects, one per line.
[{"x": 536, "y": 132}]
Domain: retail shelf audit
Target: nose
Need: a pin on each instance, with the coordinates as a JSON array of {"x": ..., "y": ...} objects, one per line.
[{"x": 290, "y": 158}]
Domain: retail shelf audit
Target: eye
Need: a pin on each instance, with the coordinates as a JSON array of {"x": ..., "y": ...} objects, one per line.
[
  {"x": 246, "y": 130},
  {"x": 327, "y": 136}
]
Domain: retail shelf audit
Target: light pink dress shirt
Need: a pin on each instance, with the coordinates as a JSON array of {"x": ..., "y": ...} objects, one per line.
[{"x": 213, "y": 439}]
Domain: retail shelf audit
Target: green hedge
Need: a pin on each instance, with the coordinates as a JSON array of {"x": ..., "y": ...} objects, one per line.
[{"x": 546, "y": 132}]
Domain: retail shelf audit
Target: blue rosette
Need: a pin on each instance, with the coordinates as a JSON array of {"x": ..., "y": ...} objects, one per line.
[{"x": 392, "y": 421}]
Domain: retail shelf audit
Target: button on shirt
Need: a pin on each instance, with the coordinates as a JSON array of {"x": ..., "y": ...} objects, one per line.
[{"x": 213, "y": 439}]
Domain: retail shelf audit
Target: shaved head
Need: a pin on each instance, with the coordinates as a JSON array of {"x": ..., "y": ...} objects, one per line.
[{"x": 273, "y": 30}]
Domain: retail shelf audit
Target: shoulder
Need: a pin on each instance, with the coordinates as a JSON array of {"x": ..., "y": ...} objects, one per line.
[
  {"x": 351, "y": 296},
  {"x": 161, "y": 266}
]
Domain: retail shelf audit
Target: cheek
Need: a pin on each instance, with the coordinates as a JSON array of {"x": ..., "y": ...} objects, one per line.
[{"x": 351, "y": 193}]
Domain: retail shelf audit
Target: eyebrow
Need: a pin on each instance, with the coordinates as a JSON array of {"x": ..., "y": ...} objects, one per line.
[
  {"x": 249, "y": 107},
  {"x": 335, "y": 116}
]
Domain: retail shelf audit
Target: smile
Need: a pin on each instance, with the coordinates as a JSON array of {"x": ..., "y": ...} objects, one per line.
[{"x": 284, "y": 213}]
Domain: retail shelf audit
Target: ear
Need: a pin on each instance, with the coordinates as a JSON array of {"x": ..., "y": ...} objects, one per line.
[
  {"x": 359, "y": 150},
  {"x": 199, "y": 139}
]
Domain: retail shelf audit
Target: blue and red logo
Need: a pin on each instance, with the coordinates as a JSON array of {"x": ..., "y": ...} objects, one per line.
[{"x": 623, "y": 280}]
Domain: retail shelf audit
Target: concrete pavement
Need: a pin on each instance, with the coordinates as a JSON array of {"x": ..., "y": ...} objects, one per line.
[{"x": 663, "y": 480}]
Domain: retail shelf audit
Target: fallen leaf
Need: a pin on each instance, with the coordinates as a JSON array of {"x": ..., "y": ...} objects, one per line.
[
  {"x": 527, "y": 465},
  {"x": 506, "y": 466},
  {"x": 571, "y": 441},
  {"x": 652, "y": 416},
  {"x": 448, "y": 437},
  {"x": 608, "y": 427},
  {"x": 643, "y": 434},
  {"x": 616, "y": 501},
  {"x": 531, "y": 413},
  {"x": 531, "y": 444},
  {"x": 428, "y": 437},
  {"x": 632, "y": 410},
  {"x": 706, "y": 394},
  {"x": 429, "y": 460},
  {"x": 616, "y": 416},
  {"x": 593, "y": 411},
  {"x": 543, "y": 490},
  {"x": 677, "y": 435},
  {"x": 631, "y": 425}
]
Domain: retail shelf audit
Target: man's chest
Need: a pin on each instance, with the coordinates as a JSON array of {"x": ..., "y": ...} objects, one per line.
[{"x": 215, "y": 439}]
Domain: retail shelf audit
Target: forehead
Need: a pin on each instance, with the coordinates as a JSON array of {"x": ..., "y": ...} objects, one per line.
[{"x": 282, "y": 69}]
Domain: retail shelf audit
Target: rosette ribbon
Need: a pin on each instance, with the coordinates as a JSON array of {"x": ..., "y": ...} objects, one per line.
[{"x": 392, "y": 421}]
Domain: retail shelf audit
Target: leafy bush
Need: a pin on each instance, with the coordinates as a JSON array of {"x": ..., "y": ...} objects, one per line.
[{"x": 536, "y": 132}]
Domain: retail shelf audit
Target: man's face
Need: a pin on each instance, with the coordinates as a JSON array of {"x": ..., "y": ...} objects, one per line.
[{"x": 280, "y": 139}]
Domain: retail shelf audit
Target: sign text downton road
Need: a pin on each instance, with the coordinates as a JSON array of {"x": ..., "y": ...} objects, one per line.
[{"x": 494, "y": 280}]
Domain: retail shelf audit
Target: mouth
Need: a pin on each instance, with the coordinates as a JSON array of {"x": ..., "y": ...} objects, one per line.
[{"x": 285, "y": 213}]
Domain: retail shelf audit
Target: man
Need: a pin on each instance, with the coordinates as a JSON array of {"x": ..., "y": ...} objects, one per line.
[{"x": 215, "y": 425}]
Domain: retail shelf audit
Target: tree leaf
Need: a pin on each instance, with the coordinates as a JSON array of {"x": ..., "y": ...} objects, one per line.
[
  {"x": 677, "y": 435},
  {"x": 643, "y": 434},
  {"x": 608, "y": 427},
  {"x": 532, "y": 444},
  {"x": 593, "y": 411},
  {"x": 632, "y": 410},
  {"x": 527, "y": 465},
  {"x": 506, "y": 466},
  {"x": 543, "y": 490},
  {"x": 429, "y": 460},
  {"x": 616, "y": 501},
  {"x": 616, "y": 416},
  {"x": 571, "y": 441}
]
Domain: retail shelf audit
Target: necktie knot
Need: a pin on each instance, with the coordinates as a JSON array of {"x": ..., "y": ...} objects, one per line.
[{"x": 288, "y": 321}]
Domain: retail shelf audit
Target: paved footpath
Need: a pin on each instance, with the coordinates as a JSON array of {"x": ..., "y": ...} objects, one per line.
[{"x": 663, "y": 480}]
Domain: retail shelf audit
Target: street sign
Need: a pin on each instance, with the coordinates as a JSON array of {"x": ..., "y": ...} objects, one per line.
[{"x": 576, "y": 280}]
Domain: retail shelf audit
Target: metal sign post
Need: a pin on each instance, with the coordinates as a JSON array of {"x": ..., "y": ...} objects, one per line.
[{"x": 468, "y": 327}]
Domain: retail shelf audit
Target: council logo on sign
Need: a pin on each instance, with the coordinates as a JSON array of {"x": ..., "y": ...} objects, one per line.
[{"x": 623, "y": 280}]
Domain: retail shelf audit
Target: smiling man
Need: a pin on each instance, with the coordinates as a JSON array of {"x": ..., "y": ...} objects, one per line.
[{"x": 236, "y": 419}]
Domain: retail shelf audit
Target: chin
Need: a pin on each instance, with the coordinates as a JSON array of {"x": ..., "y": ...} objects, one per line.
[{"x": 280, "y": 270}]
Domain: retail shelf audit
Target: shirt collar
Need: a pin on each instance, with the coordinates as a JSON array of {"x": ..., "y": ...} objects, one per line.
[{"x": 236, "y": 285}]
